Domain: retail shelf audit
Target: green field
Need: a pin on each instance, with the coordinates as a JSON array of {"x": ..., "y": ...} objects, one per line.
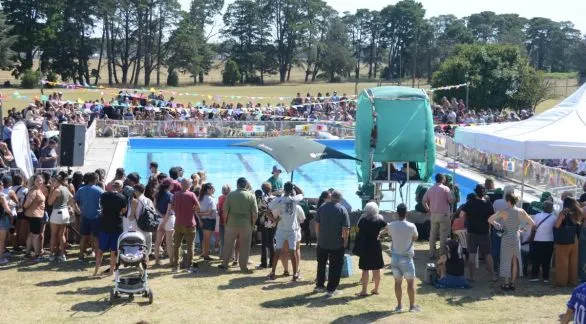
[{"x": 66, "y": 293}]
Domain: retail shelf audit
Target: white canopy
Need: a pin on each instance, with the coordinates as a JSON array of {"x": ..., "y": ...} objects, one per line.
[{"x": 558, "y": 133}]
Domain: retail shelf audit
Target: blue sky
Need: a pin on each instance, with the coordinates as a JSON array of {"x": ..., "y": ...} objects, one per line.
[{"x": 558, "y": 10}]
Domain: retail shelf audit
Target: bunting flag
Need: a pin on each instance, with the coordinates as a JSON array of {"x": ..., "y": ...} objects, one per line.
[
  {"x": 217, "y": 97},
  {"x": 457, "y": 86}
]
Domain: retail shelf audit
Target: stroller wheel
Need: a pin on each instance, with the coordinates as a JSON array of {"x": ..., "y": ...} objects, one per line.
[
  {"x": 131, "y": 297},
  {"x": 151, "y": 296}
]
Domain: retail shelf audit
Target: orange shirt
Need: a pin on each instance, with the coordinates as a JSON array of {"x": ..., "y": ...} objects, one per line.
[{"x": 36, "y": 209}]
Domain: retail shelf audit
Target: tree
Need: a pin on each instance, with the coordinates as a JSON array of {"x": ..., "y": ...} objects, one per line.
[
  {"x": 6, "y": 43},
  {"x": 337, "y": 58},
  {"x": 231, "y": 73},
  {"x": 187, "y": 49},
  {"x": 401, "y": 25},
  {"x": 25, "y": 18},
  {"x": 500, "y": 76}
]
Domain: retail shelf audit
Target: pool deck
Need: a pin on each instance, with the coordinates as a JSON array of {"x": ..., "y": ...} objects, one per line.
[{"x": 108, "y": 154}]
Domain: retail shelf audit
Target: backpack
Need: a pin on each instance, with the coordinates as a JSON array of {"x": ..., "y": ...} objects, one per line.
[{"x": 149, "y": 220}]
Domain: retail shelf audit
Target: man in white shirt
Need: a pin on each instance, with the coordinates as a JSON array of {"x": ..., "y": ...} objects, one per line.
[
  {"x": 403, "y": 234},
  {"x": 543, "y": 242},
  {"x": 285, "y": 207}
]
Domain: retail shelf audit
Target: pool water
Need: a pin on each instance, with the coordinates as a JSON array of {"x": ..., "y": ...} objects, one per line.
[{"x": 224, "y": 164}]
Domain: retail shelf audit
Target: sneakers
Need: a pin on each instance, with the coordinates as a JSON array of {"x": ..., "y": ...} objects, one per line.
[
  {"x": 193, "y": 270},
  {"x": 334, "y": 293},
  {"x": 62, "y": 258},
  {"x": 545, "y": 281},
  {"x": 296, "y": 277},
  {"x": 414, "y": 309},
  {"x": 398, "y": 309},
  {"x": 3, "y": 261},
  {"x": 271, "y": 276},
  {"x": 319, "y": 290},
  {"x": 534, "y": 280}
]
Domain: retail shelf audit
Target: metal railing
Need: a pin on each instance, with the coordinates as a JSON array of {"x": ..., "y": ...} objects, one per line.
[
  {"x": 532, "y": 173},
  {"x": 219, "y": 128}
]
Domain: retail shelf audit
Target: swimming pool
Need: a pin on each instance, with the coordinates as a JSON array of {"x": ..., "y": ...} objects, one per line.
[{"x": 224, "y": 164}]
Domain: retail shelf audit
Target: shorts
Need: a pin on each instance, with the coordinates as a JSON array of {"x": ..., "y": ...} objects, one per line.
[
  {"x": 90, "y": 226},
  {"x": 170, "y": 224},
  {"x": 480, "y": 242},
  {"x": 60, "y": 216},
  {"x": 108, "y": 241},
  {"x": 208, "y": 224},
  {"x": 35, "y": 224},
  {"x": 5, "y": 223},
  {"x": 290, "y": 237},
  {"x": 403, "y": 267}
]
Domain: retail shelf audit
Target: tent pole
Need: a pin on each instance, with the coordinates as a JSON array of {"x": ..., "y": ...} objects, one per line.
[{"x": 522, "y": 181}]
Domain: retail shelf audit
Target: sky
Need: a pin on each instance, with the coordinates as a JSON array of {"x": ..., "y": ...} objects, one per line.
[{"x": 557, "y": 10}]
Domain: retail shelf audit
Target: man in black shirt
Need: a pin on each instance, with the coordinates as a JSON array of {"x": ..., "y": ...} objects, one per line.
[
  {"x": 113, "y": 208},
  {"x": 476, "y": 212}
]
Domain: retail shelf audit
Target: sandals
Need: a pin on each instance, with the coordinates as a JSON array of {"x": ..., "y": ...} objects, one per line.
[
  {"x": 286, "y": 274},
  {"x": 362, "y": 295},
  {"x": 271, "y": 276},
  {"x": 374, "y": 292}
]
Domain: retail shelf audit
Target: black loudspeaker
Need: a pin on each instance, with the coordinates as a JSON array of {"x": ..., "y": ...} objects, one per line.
[{"x": 72, "y": 145}]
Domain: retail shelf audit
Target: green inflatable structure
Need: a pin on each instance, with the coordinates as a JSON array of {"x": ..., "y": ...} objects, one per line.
[{"x": 393, "y": 124}]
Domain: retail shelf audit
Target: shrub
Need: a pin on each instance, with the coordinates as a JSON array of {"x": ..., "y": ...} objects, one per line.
[
  {"x": 52, "y": 77},
  {"x": 173, "y": 79},
  {"x": 231, "y": 73},
  {"x": 30, "y": 79}
]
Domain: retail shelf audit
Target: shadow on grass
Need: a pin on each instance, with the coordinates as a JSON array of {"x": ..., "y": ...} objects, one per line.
[
  {"x": 243, "y": 282},
  {"x": 363, "y": 318},
  {"x": 87, "y": 291},
  {"x": 66, "y": 281},
  {"x": 311, "y": 299},
  {"x": 98, "y": 307}
]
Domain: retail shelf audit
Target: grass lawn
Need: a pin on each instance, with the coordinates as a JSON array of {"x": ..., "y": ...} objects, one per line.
[{"x": 66, "y": 293}]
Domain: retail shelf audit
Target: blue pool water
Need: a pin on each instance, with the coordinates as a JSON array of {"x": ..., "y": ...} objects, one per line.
[{"x": 224, "y": 164}]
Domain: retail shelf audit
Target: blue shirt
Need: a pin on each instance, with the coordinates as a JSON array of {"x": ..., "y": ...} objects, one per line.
[
  {"x": 163, "y": 203},
  {"x": 577, "y": 303},
  {"x": 88, "y": 199}
]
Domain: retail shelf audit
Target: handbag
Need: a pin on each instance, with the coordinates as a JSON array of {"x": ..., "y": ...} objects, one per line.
[
  {"x": 534, "y": 229},
  {"x": 565, "y": 234},
  {"x": 359, "y": 245}
]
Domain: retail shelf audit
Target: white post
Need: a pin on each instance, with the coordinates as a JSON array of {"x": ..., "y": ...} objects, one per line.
[{"x": 522, "y": 181}]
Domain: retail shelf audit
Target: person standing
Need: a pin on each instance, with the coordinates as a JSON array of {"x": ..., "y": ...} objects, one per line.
[
  {"x": 576, "y": 306},
  {"x": 183, "y": 205},
  {"x": 566, "y": 243},
  {"x": 222, "y": 226},
  {"x": 370, "y": 226},
  {"x": 240, "y": 210},
  {"x": 510, "y": 220},
  {"x": 88, "y": 202},
  {"x": 285, "y": 210},
  {"x": 542, "y": 244},
  {"x": 166, "y": 229},
  {"x": 275, "y": 180},
  {"x": 113, "y": 210},
  {"x": 48, "y": 156},
  {"x": 476, "y": 212},
  {"x": 332, "y": 226},
  {"x": 403, "y": 234},
  {"x": 437, "y": 201},
  {"x": 60, "y": 199},
  {"x": 34, "y": 210},
  {"x": 137, "y": 206},
  {"x": 267, "y": 227},
  {"x": 207, "y": 213}
]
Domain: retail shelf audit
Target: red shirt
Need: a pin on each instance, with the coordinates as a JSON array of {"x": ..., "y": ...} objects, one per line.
[
  {"x": 221, "y": 200},
  {"x": 183, "y": 205},
  {"x": 175, "y": 187}
]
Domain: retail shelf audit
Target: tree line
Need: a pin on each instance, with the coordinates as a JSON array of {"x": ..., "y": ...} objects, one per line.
[{"x": 138, "y": 40}]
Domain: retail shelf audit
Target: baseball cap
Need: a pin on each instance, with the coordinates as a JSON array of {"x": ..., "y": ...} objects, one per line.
[
  {"x": 134, "y": 177},
  {"x": 276, "y": 169}
]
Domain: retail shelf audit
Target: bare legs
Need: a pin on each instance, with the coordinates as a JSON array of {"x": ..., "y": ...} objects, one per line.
[
  {"x": 169, "y": 245},
  {"x": 410, "y": 291},
  {"x": 207, "y": 236},
  {"x": 58, "y": 243}
]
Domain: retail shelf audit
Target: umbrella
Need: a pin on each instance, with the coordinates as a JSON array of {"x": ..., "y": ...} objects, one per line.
[{"x": 294, "y": 151}]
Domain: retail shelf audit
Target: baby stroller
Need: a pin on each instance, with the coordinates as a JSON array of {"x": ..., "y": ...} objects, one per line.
[{"x": 132, "y": 252}]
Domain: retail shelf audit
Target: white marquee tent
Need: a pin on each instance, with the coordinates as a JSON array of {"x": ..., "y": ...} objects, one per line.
[{"x": 555, "y": 134}]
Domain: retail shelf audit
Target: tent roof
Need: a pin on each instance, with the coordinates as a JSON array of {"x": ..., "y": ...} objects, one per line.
[
  {"x": 557, "y": 133},
  {"x": 396, "y": 93}
]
